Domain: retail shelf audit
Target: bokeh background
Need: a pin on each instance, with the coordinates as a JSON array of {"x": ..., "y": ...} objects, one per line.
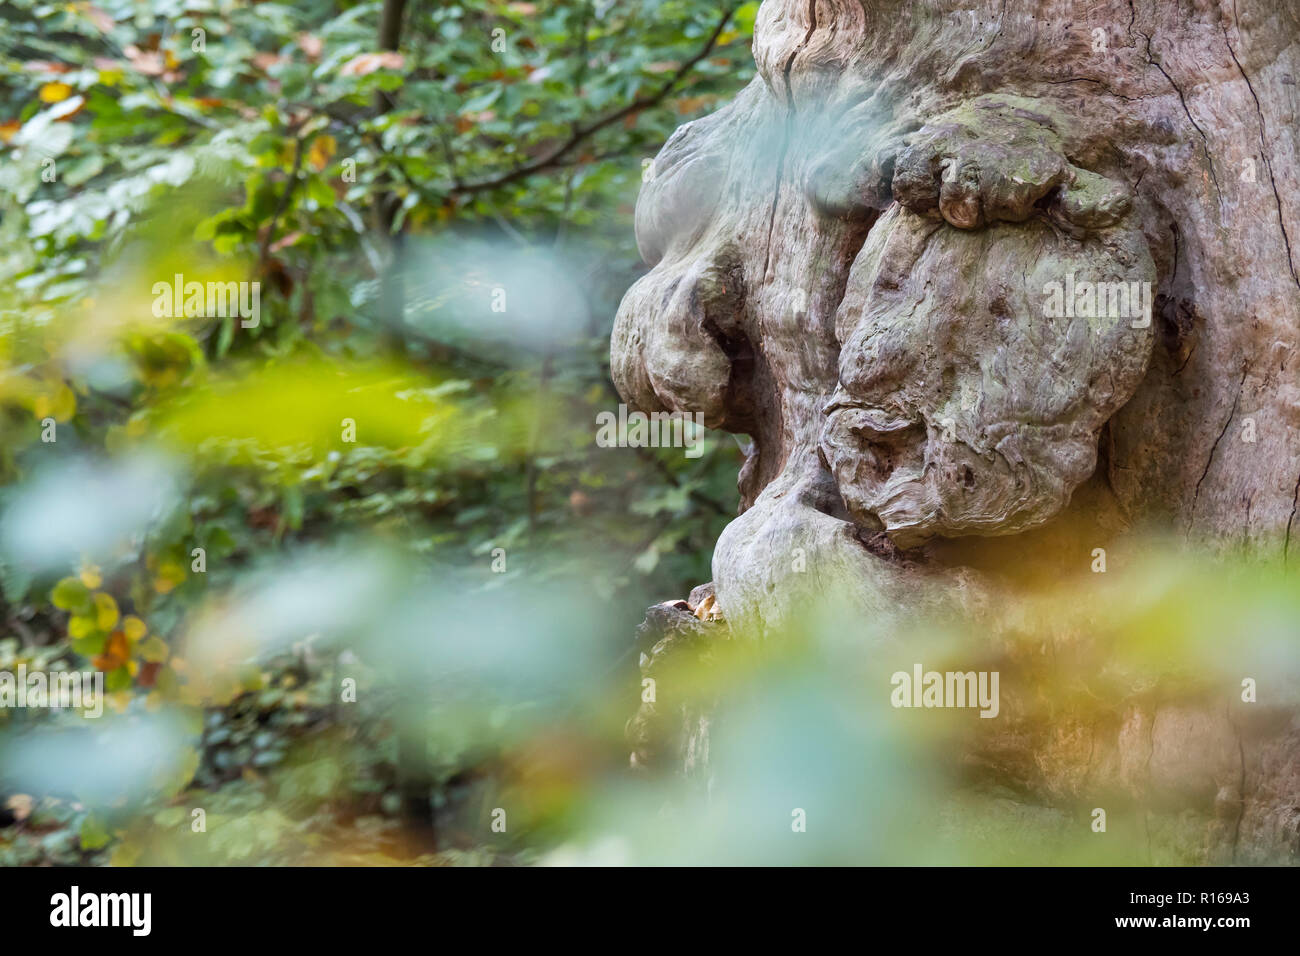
[
  {"x": 371, "y": 184},
  {"x": 371, "y": 651}
]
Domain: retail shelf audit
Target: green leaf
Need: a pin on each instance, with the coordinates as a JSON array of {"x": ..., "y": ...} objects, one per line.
[
  {"x": 90, "y": 645},
  {"x": 320, "y": 191},
  {"x": 94, "y": 834},
  {"x": 71, "y": 595},
  {"x": 154, "y": 650}
]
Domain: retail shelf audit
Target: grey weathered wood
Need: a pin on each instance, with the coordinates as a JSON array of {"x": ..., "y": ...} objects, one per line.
[{"x": 850, "y": 262}]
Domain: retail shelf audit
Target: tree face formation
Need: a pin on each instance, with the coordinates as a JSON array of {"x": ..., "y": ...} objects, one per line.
[
  {"x": 970, "y": 272},
  {"x": 996, "y": 289}
]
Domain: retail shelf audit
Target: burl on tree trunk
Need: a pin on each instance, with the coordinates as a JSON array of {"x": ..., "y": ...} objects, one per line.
[{"x": 992, "y": 285}]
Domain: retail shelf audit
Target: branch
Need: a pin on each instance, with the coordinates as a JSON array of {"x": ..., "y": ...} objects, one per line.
[
  {"x": 283, "y": 204},
  {"x": 694, "y": 494},
  {"x": 390, "y": 35},
  {"x": 451, "y": 189},
  {"x": 553, "y": 157}
]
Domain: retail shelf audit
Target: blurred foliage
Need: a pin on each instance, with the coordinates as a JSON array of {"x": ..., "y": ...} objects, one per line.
[
  {"x": 307, "y": 631},
  {"x": 376, "y": 196}
]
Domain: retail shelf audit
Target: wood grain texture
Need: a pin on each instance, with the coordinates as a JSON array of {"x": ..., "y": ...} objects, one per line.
[{"x": 851, "y": 264}]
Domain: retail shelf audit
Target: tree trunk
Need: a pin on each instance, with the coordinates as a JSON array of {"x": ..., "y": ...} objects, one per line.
[{"x": 886, "y": 262}]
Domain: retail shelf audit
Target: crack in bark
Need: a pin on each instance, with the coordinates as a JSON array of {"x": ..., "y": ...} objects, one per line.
[
  {"x": 1205, "y": 143},
  {"x": 1191, "y": 517},
  {"x": 776, "y": 199},
  {"x": 1245, "y": 527},
  {"x": 1104, "y": 85},
  {"x": 1263, "y": 146},
  {"x": 1295, "y": 500}
]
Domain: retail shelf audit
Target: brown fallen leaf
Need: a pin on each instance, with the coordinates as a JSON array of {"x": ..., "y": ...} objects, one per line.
[
  {"x": 365, "y": 63},
  {"x": 150, "y": 63},
  {"x": 98, "y": 17},
  {"x": 116, "y": 652},
  {"x": 20, "y": 804},
  {"x": 311, "y": 45},
  {"x": 46, "y": 66},
  {"x": 264, "y": 61}
]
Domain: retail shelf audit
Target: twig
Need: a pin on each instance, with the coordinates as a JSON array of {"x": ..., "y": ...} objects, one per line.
[
  {"x": 552, "y": 158},
  {"x": 697, "y": 496},
  {"x": 282, "y": 206}
]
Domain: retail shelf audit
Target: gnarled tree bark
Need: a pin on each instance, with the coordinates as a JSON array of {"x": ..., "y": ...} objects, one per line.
[{"x": 986, "y": 279}]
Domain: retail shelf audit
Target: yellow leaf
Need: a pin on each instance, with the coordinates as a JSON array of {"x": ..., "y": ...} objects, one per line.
[
  {"x": 134, "y": 628},
  {"x": 91, "y": 576},
  {"x": 65, "y": 404},
  {"x": 154, "y": 650},
  {"x": 106, "y": 613},
  {"x": 55, "y": 92},
  {"x": 59, "y": 404},
  {"x": 322, "y": 148},
  {"x": 79, "y": 627},
  {"x": 169, "y": 575}
]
